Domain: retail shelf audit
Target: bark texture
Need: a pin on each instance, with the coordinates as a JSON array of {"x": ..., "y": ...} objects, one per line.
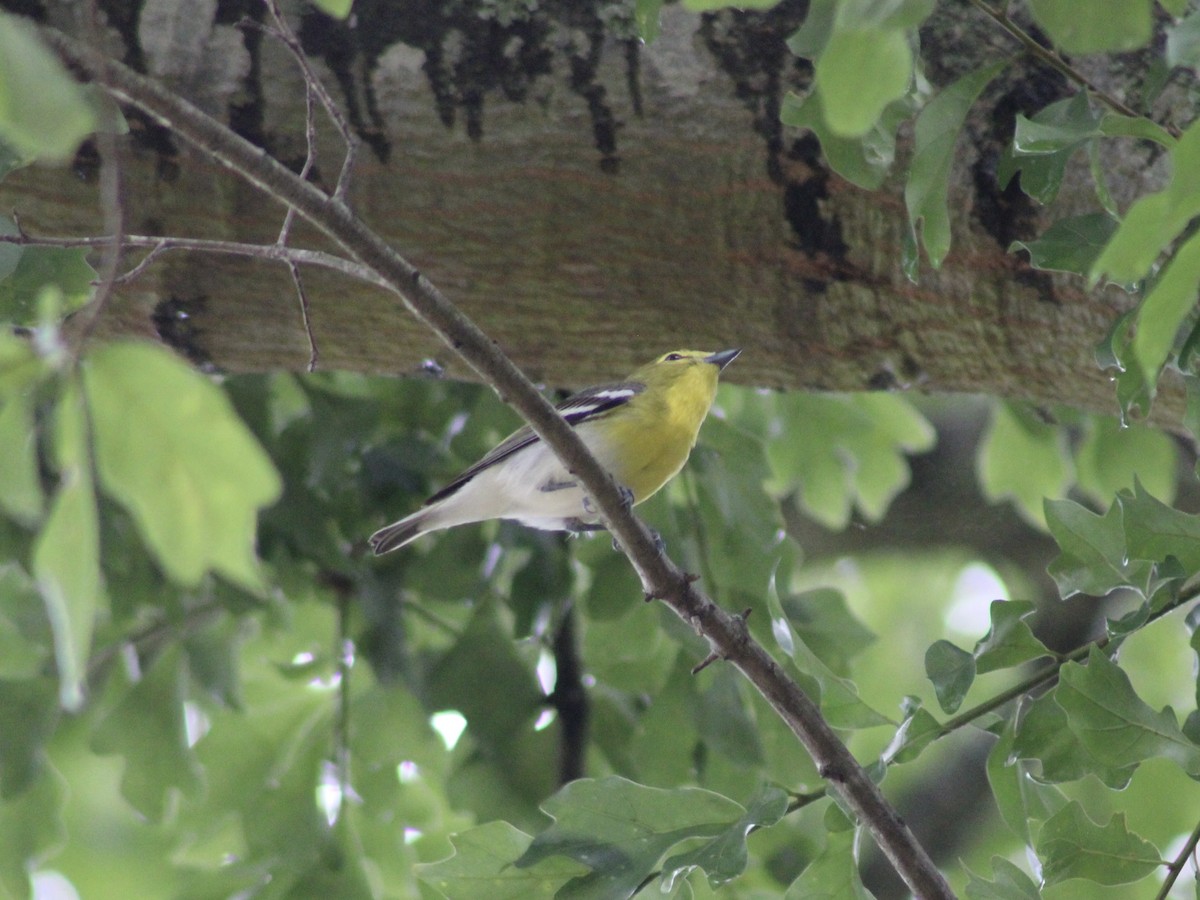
[{"x": 591, "y": 202}]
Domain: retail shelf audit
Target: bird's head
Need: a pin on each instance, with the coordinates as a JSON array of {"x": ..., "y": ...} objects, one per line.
[{"x": 690, "y": 375}]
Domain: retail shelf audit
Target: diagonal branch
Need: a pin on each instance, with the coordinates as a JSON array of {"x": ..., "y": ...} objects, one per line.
[
  {"x": 1176, "y": 866},
  {"x": 999, "y": 15},
  {"x": 727, "y": 634}
]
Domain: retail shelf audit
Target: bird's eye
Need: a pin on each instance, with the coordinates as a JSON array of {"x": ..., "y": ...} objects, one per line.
[{"x": 672, "y": 357}]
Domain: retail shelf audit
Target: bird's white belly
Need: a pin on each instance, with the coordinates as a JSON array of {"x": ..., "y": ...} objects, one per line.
[{"x": 532, "y": 486}]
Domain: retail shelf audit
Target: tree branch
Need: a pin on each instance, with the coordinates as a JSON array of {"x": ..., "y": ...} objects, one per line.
[
  {"x": 1175, "y": 867},
  {"x": 1057, "y": 63},
  {"x": 1042, "y": 676},
  {"x": 660, "y": 577},
  {"x": 570, "y": 699},
  {"x": 160, "y": 244}
]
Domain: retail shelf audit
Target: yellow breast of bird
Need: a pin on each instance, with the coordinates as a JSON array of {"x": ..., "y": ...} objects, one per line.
[{"x": 654, "y": 440}]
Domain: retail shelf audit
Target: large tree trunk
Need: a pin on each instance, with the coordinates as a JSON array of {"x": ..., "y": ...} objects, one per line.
[{"x": 591, "y": 202}]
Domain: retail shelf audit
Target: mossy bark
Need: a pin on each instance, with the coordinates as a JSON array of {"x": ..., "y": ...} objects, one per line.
[{"x": 591, "y": 202}]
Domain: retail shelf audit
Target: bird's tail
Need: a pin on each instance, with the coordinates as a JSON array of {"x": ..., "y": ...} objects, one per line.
[{"x": 400, "y": 533}]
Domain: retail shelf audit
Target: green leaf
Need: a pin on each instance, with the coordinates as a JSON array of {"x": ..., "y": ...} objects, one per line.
[
  {"x": 37, "y": 268},
  {"x": 838, "y": 697},
  {"x": 21, "y": 487},
  {"x": 1112, "y": 457},
  {"x": 1009, "y": 642},
  {"x": 1114, "y": 124},
  {"x": 1023, "y": 460},
  {"x": 1020, "y": 799},
  {"x": 708, "y": 5},
  {"x": 339, "y": 9},
  {"x": 1155, "y": 531},
  {"x": 1071, "y": 845},
  {"x": 844, "y": 451},
  {"x": 865, "y": 160},
  {"x": 918, "y": 730},
  {"x": 952, "y": 671},
  {"x": 1183, "y": 42},
  {"x": 482, "y": 867},
  {"x": 10, "y": 161},
  {"x": 666, "y": 740},
  {"x": 1169, "y": 302},
  {"x": 66, "y": 556},
  {"x": 171, "y": 449},
  {"x": 24, "y": 637},
  {"x": 1008, "y": 883},
  {"x": 10, "y": 254},
  {"x": 647, "y": 15},
  {"x": 1069, "y": 245},
  {"x": 742, "y": 521},
  {"x": 1041, "y": 176},
  {"x": 810, "y": 39},
  {"x": 33, "y": 829},
  {"x": 724, "y": 721},
  {"x": 1153, "y": 221},
  {"x": 1095, "y": 26},
  {"x": 1064, "y": 125},
  {"x": 936, "y": 133},
  {"x": 896, "y": 14},
  {"x": 1093, "y": 557},
  {"x": 28, "y": 718},
  {"x": 1043, "y": 146},
  {"x": 629, "y": 653},
  {"x": 620, "y": 830},
  {"x": 822, "y": 619},
  {"x": 262, "y": 765},
  {"x": 20, "y": 366},
  {"x": 1044, "y": 735},
  {"x": 43, "y": 112},
  {"x": 860, "y": 72},
  {"x": 1099, "y": 169},
  {"x": 833, "y": 875},
  {"x": 1114, "y": 724},
  {"x": 724, "y": 857},
  {"x": 484, "y": 678},
  {"x": 147, "y": 728}
]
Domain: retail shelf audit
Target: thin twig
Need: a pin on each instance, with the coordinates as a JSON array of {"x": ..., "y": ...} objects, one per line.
[
  {"x": 1033, "y": 682},
  {"x": 1027, "y": 685},
  {"x": 312, "y": 341},
  {"x": 143, "y": 265},
  {"x": 1056, "y": 62},
  {"x": 112, "y": 203},
  {"x": 693, "y": 502},
  {"x": 310, "y": 159},
  {"x": 660, "y": 577},
  {"x": 161, "y": 244},
  {"x": 284, "y": 32},
  {"x": 142, "y": 641},
  {"x": 1176, "y": 866},
  {"x": 345, "y": 663},
  {"x": 432, "y": 618}
]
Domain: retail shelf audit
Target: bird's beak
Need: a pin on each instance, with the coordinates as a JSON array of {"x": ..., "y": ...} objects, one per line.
[{"x": 723, "y": 358}]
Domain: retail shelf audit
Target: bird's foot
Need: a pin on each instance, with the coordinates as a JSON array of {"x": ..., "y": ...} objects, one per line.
[
  {"x": 589, "y": 506},
  {"x": 659, "y": 544}
]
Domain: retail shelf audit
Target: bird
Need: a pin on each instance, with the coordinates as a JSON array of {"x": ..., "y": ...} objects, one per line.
[{"x": 641, "y": 429}]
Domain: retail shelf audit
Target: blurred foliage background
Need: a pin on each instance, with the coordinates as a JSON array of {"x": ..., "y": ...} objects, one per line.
[{"x": 210, "y": 688}]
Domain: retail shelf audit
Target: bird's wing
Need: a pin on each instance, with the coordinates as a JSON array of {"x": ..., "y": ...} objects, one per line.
[{"x": 589, "y": 403}]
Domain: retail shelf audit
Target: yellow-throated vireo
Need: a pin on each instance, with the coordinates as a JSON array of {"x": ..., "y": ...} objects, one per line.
[{"x": 640, "y": 429}]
